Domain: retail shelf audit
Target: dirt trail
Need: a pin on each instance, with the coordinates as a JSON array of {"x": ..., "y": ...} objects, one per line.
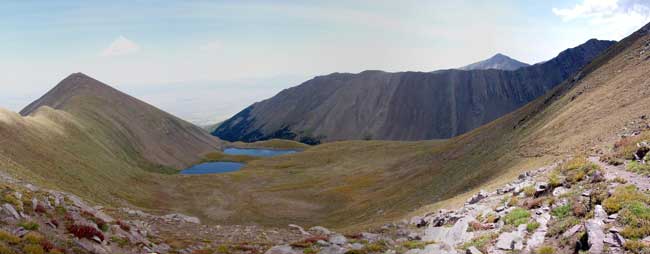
[{"x": 611, "y": 172}]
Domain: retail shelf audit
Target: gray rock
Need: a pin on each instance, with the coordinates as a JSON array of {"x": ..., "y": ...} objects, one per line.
[
  {"x": 541, "y": 187},
  {"x": 435, "y": 248},
  {"x": 34, "y": 203},
  {"x": 478, "y": 197},
  {"x": 320, "y": 230},
  {"x": 337, "y": 239},
  {"x": 572, "y": 231},
  {"x": 300, "y": 229},
  {"x": 356, "y": 246},
  {"x": 473, "y": 250},
  {"x": 512, "y": 240},
  {"x": 181, "y": 218},
  {"x": 559, "y": 191},
  {"x": 599, "y": 213},
  {"x": 596, "y": 235},
  {"x": 282, "y": 249},
  {"x": 333, "y": 249},
  {"x": 537, "y": 238},
  {"x": 451, "y": 236},
  {"x": 369, "y": 236},
  {"x": 10, "y": 210}
]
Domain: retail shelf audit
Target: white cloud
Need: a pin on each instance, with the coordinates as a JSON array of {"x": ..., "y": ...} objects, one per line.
[
  {"x": 213, "y": 46},
  {"x": 613, "y": 18},
  {"x": 121, "y": 46}
]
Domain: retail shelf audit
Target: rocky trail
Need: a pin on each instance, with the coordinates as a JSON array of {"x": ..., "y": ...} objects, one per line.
[{"x": 613, "y": 171}]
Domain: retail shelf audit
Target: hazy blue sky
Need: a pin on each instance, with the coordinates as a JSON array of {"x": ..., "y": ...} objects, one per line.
[{"x": 206, "y": 60}]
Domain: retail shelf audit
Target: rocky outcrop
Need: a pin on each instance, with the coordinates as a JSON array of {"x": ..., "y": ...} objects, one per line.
[{"x": 401, "y": 106}]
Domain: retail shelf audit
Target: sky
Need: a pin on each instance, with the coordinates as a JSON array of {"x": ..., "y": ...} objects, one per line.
[{"x": 206, "y": 60}]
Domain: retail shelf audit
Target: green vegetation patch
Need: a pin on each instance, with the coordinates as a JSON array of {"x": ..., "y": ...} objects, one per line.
[
  {"x": 639, "y": 168},
  {"x": 517, "y": 217},
  {"x": 623, "y": 195}
]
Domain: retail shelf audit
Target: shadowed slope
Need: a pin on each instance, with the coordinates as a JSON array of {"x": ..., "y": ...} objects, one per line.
[
  {"x": 401, "y": 106},
  {"x": 128, "y": 123}
]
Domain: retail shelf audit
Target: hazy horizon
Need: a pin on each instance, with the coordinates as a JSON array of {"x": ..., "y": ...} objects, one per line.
[{"x": 204, "y": 61}]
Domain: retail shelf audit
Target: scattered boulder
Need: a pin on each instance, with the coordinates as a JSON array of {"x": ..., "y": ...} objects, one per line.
[
  {"x": 282, "y": 249},
  {"x": 599, "y": 213},
  {"x": 320, "y": 230},
  {"x": 473, "y": 250},
  {"x": 572, "y": 231},
  {"x": 595, "y": 235},
  {"x": 559, "y": 191},
  {"x": 10, "y": 210},
  {"x": 540, "y": 188},
  {"x": 478, "y": 197},
  {"x": 450, "y": 235},
  {"x": 512, "y": 240},
  {"x": 337, "y": 239},
  {"x": 333, "y": 249}
]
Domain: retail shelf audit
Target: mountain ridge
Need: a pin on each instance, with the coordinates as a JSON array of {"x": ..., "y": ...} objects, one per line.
[
  {"x": 403, "y": 105},
  {"x": 498, "y": 61},
  {"x": 179, "y": 144}
]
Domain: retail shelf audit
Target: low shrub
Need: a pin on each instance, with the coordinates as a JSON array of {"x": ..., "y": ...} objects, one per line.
[
  {"x": 554, "y": 179},
  {"x": 545, "y": 250},
  {"x": 620, "y": 180},
  {"x": 123, "y": 225},
  {"x": 529, "y": 191},
  {"x": 638, "y": 167},
  {"x": 534, "y": 203},
  {"x": 623, "y": 195},
  {"x": 517, "y": 217},
  {"x": 4, "y": 249},
  {"x": 577, "y": 169},
  {"x": 562, "y": 211},
  {"x": 635, "y": 246},
  {"x": 513, "y": 201},
  {"x": 83, "y": 231},
  {"x": 625, "y": 148},
  {"x": 480, "y": 242},
  {"x": 29, "y": 225},
  {"x": 9, "y": 238},
  {"x": 33, "y": 237},
  {"x": 40, "y": 209},
  {"x": 561, "y": 225},
  {"x": 376, "y": 247},
  {"x": 532, "y": 226},
  {"x": 33, "y": 249},
  {"x": 636, "y": 218},
  {"x": 578, "y": 209}
]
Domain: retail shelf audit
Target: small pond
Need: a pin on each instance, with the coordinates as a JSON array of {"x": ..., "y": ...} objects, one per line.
[
  {"x": 212, "y": 168},
  {"x": 224, "y": 166},
  {"x": 257, "y": 152}
]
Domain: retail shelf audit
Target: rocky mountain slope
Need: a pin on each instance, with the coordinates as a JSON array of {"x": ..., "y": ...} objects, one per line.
[
  {"x": 498, "y": 61},
  {"x": 401, "y": 106},
  {"x": 131, "y": 124}
]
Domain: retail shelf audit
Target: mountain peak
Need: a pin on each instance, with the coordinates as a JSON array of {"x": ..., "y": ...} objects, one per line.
[{"x": 498, "y": 61}]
